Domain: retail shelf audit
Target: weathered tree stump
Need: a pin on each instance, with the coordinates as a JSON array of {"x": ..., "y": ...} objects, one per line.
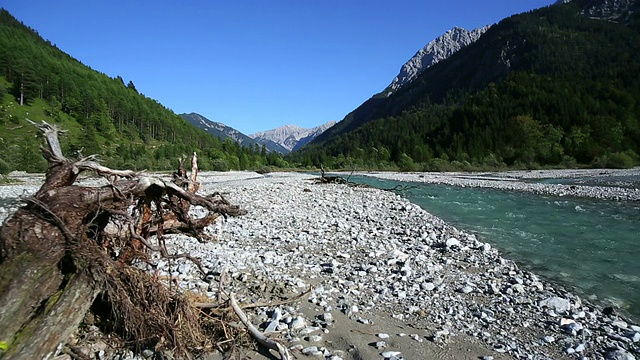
[{"x": 57, "y": 255}]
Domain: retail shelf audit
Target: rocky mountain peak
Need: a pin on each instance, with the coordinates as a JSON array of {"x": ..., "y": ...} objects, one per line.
[
  {"x": 291, "y": 136},
  {"x": 434, "y": 52}
]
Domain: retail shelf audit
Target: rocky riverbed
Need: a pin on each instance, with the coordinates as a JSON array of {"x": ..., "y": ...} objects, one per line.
[
  {"x": 388, "y": 280},
  {"x": 526, "y": 181}
]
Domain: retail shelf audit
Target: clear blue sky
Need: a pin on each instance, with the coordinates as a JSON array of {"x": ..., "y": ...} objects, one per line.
[{"x": 255, "y": 65}]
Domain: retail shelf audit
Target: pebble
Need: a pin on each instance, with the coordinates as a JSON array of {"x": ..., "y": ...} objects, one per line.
[
  {"x": 557, "y": 304},
  {"x": 297, "y": 323},
  {"x": 619, "y": 355},
  {"x": 390, "y": 354},
  {"x": 380, "y": 345},
  {"x": 312, "y": 351}
]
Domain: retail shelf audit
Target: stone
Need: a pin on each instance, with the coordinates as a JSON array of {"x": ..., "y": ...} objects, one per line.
[
  {"x": 380, "y": 344},
  {"x": 549, "y": 339},
  {"x": 465, "y": 289},
  {"x": 272, "y": 327},
  {"x": 557, "y": 304},
  {"x": 620, "y": 324},
  {"x": 326, "y": 317},
  {"x": 383, "y": 336},
  {"x": 390, "y": 354},
  {"x": 312, "y": 351},
  {"x": 428, "y": 286},
  {"x": 572, "y": 328},
  {"x": 619, "y": 355},
  {"x": 633, "y": 335},
  {"x": 297, "y": 323},
  {"x": 452, "y": 242},
  {"x": 308, "y": 330},
  {"x": 184, "y": 268}
]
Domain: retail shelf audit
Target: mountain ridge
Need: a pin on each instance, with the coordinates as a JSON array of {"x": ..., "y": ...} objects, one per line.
[
  {"x": 435, "y": 51},
  {"x": 290, "y": 136}
]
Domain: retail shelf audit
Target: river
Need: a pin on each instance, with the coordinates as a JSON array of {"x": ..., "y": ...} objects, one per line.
[{"x": 591, "y": 246}]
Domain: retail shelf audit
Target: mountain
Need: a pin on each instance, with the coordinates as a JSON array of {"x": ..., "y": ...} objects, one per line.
[
  {"x": 313, "y": 133},
  {"x": 101, "y": 115},
  {"x": 223, "y": 131},
  {"x": 435, "y": 51},
  {"x": 290, "y": 137},
  {"x": 218, "y": 129},
  {"x": 556, "y": 86}
]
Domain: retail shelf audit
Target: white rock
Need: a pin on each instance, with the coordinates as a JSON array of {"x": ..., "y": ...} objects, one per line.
[
  {"x": 297, "y": 323},
  {"x": 557, "y": 304},
  {"x": 428, "y": 286},
  {"x": 451, "y": 242},
  {"x": 388, "y": 354},
  {"x": 380, "y": 345}
]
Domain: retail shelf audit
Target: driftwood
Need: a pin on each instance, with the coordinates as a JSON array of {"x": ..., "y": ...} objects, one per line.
[
  {"x": 70, "y": 247},
  {"x": 255, "y": 333}
]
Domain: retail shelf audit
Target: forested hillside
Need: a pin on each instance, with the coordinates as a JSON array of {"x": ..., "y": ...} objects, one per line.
[
  {"x": 549, "y": 87},
  {"x": 103, "y": 115}
]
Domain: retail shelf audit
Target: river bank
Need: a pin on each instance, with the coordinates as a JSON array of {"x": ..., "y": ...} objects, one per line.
[
  {"x": 387, "y": 278},
  {"x": 528, "y": 181}
]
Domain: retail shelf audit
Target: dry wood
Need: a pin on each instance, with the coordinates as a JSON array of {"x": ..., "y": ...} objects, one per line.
[
  {"x": 70, "y": 244},
  {"x": 255, "y": 333}
]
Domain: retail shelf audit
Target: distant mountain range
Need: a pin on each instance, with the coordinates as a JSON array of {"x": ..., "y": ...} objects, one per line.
[
  {"x": 291, "y": 137},
  {"x": 283, "y": 139}
]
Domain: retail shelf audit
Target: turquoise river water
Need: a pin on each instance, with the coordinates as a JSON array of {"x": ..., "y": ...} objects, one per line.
[{"x": 590, "y": 246}]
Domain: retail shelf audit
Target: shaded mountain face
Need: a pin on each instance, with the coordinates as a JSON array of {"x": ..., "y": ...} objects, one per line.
[
  {"x": 435, "y": 51},
  {"x": 551, "y": 86},
  {"x": 290, "y": 137},
  {"x": 611, "y": 10},
  {"x": 218, "y": 129}
]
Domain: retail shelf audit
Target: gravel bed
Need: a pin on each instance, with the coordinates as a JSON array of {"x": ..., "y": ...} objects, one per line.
[
  {"x": 517, "y": 181},
  {"x": 366, "y": 253}
]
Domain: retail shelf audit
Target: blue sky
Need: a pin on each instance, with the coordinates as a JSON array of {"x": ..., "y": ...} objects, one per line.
[{"x": 255, "y": 65}]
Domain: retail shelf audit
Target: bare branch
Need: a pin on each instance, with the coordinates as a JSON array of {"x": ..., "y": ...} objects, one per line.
[
  {"x": 51, "y": 133},
  {"x": 255, "y": 333}
]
